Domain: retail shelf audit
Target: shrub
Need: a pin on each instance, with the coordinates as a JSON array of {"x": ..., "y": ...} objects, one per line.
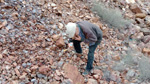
[
  {"x": 144, "y": 68},
  {"x": 111, "y": 16}
]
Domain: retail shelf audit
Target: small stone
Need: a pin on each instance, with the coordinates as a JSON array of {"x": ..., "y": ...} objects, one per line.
[
  {"x": 53, "y": 4},
  {"x": 40, "y": 75},
  {"x": 96, "y": 76},
  {"x": 24, "y": 65},
  {"x": 35, "y": 67},
  {"x": 146, "y": 39},
  {"x": 140, "y": 15},
  {"x": 60, "y": 63},
  {"x": 3, "y": 24},
  {"x": 146, "y": 50},
  {"x": 23, "y": 76},
  {"x": 58, "y": 73},
  {"x": 10, "y": 26},
  {"x": 17, "y": 72},
  {"x": 145, "y": 31},
  {"x": 116, "y": 58},
  {"x": 1, "y": 56},
  {"x": 130, "y": 1},
  {"x": 60, "y": 25},
  {"x": 67, "y": 81},
  {"x": 33, "y": 80},
  {"x": 92, "y": 81},
  {"x": 29, "y": 64}
]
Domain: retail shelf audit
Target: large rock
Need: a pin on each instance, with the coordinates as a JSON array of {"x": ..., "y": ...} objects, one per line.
[
  {"x": 140, "y": 15},
  {"x": 147, "y": 20},
  {"x": 60, "y": 42},
  {"x": 145, "y": 31},
  {"x": 44, "y": 69},
  {"x": 92, "y": 81},
  {"x": 72, "y": 73},
  {"x": 135, "y": 9},
  {"x": 146, "y": 39},
  {"x": 146, "y": 50}
]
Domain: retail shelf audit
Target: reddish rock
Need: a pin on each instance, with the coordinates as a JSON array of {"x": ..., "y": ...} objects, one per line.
[
  {"x": 55, "y": 37},
  {"x": 92, "y": 81},
  {"x": 146, "y": 39},
  {"x": 33, "y": 68},
  {"x": 140, "y": 15},
  {"x": 116, "y": 58},
  {"x": 146, "y": 50},
  {"x": 44, "y": 69},
  {"x": 73, "y": 74},
  {"x": 135, "y": 9},
  {"x": 60, "y": 42},
  {"x": 54, "y": 82},
  {"x": 17, "y": 72}
]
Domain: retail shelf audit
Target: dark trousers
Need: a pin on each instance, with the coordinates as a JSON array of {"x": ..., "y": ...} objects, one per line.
[{"x": 92, "y": 48}]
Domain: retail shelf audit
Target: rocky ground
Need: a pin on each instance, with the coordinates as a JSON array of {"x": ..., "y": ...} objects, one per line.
[{"x": 33, "y": 42}]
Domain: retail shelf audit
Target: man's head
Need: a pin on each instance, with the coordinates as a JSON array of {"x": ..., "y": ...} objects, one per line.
[{"x": 72, "y": 31}]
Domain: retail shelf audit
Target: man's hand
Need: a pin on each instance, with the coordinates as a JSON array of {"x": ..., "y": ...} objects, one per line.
[{"x": 78, "y": 38}]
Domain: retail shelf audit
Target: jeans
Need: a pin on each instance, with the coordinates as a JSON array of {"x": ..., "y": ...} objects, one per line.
[{"x": 92, "y": 48}]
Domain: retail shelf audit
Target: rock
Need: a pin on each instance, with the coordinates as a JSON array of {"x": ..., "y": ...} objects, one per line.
[
  {"x": 148, "y": 45},
  {"x": 135, "y": 9},
  {"x": 145, "y": 31},
  {"x": 33, "y": 80},
  {"x": 60, "y": 42},
  {"x": 1, "y": 56},
  {"x": 116, "y": 58},
  {"x": 146, "y": 50},
  {"x": 141, "y": 45},
  {"x": 130, "y": 1},
  {"x": 53, "y": 4},
  {"x": 147, "y": 21},
  {"x": 60, "y": 25},
  {"x": 98, "y": 72},
  {"x": 58, "y": 72},
  {"x": 40, "y": 75},
  {"x": 60, "y": 63},
  {"x": 67, "y": 81},
  {"x": 146, "y": 39},
  {"x": 92, "y": 81},
  {"x": 55, "y": 37},
  {"x": 54, "y": 82},
  {"x": 96, "y": 76},
  {"x": 17, "y": 72},
  {"x": 15, "y": 82},
  {"x": 1, "y": 1},
  {"x": 139, "y": 20},
  {"x": 140, "y": 15},
  {"x": 23, "y": 76},
  {"x": 24, "y": 65},
  {"x": 35, "y": 67},
  {"x": 44, "y": 69},
  {"x": 73, "y": 74},
  {"x": 130, "y": 73},
  {"x": 10, "y": 26},
  {"x": 3, "y": 24}
]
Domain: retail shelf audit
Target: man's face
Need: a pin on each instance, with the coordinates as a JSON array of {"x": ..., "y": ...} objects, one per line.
[{"x": 76, "y": 35}]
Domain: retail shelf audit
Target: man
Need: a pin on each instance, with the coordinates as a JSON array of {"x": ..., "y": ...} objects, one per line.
[{"x": 87, "y": 32}]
